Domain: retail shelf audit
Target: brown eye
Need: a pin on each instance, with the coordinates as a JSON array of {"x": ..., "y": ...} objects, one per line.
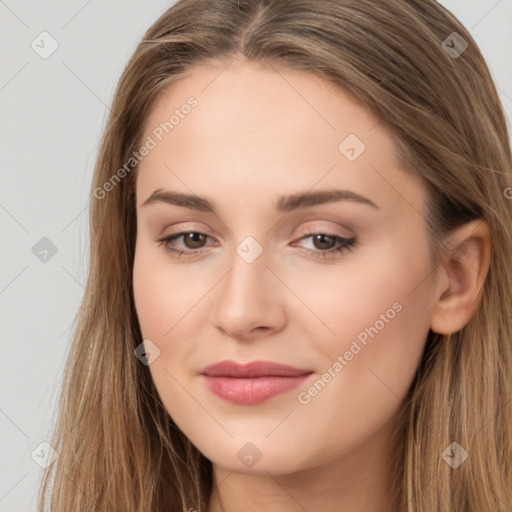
[
  {"x": 324, "y": 242},
  {"x": 325, "y": 245},
  {"x": 194, "y": 240},
  {"x": 192, "y": 243}
]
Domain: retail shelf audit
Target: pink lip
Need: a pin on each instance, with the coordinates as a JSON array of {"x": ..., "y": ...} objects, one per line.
[{"x": 251, "y": 383}]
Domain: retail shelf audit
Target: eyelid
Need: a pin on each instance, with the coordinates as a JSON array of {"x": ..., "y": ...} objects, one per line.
[
  {"x": 184, "y": 227},
  {"x": 326, "y": 227},
  {"x": 179, "y": 229}
]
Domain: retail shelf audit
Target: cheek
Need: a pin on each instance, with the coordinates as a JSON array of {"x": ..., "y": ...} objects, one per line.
[
  {"x": 380, "y": 318},
  {"x": 163, "y": 294},
  {"x": 164, "y": 300},
  {"x": 375, "y": 315},
  {"x": 368, "y": 311},
  {"x": 374, "y": 307},
  {"x": 382, "y": 286},
  {"x": 172, "y": 305}
]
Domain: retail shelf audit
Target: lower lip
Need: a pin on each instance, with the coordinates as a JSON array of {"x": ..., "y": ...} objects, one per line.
[{"x": 254, "y": 390}]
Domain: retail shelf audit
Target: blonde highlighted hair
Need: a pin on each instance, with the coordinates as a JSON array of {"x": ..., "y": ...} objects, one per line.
[{"x": 118, "y": 448}]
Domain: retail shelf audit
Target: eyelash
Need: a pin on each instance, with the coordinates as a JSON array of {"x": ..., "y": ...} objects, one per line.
[{"x": 348, "y": 245}]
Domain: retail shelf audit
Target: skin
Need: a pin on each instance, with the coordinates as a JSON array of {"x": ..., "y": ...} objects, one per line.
[{"x": 255, "y": 135}]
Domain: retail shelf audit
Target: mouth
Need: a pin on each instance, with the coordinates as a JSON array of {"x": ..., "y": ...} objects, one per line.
[{"x": 253, "y": 383}]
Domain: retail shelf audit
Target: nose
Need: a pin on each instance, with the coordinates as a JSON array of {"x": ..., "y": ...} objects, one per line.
[{"x": 250, "y": 300}]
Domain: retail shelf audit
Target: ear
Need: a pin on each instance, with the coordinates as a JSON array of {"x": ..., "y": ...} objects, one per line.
[{"x": 464, "y": 266}]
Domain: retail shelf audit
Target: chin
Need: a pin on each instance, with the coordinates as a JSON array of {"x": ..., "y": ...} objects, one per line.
[{"x": 253, "y": 456}]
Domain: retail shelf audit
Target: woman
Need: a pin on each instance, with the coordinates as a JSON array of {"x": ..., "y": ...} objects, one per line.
[{"x": 299, "y": 295}]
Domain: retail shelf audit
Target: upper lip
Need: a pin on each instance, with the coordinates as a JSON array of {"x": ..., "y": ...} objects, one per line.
[{"x": 253, "y": 369}]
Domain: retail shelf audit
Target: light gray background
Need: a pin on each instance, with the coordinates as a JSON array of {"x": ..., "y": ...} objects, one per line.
[{"x": 52, "y": 115}]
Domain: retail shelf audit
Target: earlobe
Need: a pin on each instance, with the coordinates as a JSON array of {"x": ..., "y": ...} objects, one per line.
[{"x": 464, "y": 268}]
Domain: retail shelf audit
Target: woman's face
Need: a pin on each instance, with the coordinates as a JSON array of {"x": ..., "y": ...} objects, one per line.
[{"x": 339, "y": 287}]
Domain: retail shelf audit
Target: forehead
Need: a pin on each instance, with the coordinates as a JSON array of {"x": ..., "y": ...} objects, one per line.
[
  {"x": 265, "y": 128},
  {"x": 263, "y": 100}
]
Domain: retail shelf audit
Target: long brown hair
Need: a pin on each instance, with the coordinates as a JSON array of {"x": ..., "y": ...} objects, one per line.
[{"x": 118, "y": 448}]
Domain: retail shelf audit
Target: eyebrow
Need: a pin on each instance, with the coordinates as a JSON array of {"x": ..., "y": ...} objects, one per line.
[{"x": 284, "y": 204}]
